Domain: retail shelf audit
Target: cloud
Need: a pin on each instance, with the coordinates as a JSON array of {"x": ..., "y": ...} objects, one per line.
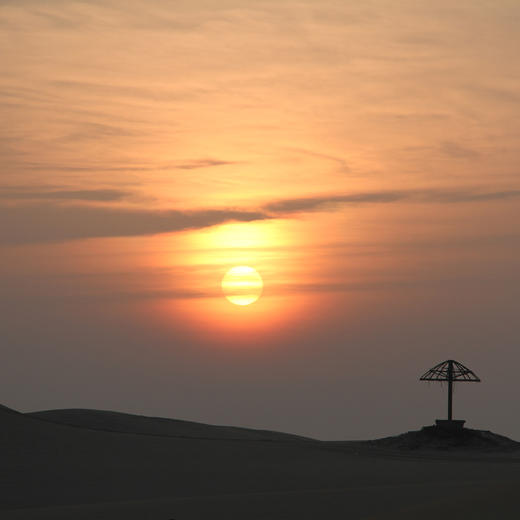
[
  {"x": 101, "y": 195},
  {"x": 55, "y": 223},
  {"x": 103, "y": 90},
  {"x": 456, "y": 151},
  {"x": 339, "y": 161},
  {"x": 454, "y": 196},
  {"x": 201, "y": 163},
  {"x": 331, "y": 202},
  {"x": 52, "y": 222},
  {"x": 189, "y": 164},
  {"x": 324, "y": 202}
]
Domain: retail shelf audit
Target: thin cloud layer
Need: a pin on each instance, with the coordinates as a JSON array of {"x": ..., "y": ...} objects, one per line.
[
  {"x": 201, "y": 163},
  {"x": 102, "y": 195}
]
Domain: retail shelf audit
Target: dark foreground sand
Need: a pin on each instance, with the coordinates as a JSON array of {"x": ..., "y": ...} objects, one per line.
[{"x": 58, "y": 471}]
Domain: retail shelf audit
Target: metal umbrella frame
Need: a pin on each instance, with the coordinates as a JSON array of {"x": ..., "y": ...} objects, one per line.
[{"x": 451, "y": 371}]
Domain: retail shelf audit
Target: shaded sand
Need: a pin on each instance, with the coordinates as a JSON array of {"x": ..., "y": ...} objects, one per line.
[
  {"x": 464, "y": 501},
  {"x": 58, "y": 471}
]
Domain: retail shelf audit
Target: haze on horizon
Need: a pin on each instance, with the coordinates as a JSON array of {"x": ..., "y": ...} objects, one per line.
[{"x": 361, "y": 156}]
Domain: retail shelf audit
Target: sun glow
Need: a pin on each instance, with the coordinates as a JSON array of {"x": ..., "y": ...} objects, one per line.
[
  {"x": 242, "y": 285},
  {"x": 234, "y": 314}
]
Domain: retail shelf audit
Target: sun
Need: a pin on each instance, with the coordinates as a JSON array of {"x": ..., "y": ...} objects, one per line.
[{"x": 242, "y": 285}]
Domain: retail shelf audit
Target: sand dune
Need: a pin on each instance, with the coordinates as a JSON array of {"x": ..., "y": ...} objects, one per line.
[
  {"x": 128, "y": 423},
  {"x": 58, "y": 471}
]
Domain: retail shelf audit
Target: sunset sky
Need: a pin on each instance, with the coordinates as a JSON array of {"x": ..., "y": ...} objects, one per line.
[{"x": 362, "y": 157}]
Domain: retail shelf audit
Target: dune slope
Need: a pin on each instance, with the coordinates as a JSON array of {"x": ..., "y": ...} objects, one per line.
[{"x": 128, "y": 423}]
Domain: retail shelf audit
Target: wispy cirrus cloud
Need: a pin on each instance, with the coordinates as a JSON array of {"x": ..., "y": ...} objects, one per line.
[
  {"x": 97, "y": 195},
  {"x": 457, "y": 151},
  {"x": 186, "y": 164},
  {"x": 201, "y": 163}
]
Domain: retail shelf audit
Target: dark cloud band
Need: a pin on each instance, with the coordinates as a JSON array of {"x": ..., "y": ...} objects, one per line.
[
  {"x": 331, "y": 202},
  {"x": 50, "y": 222}
]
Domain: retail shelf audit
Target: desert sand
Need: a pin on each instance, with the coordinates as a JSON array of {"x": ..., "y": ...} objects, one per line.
[{"x": 106, "y": 465}]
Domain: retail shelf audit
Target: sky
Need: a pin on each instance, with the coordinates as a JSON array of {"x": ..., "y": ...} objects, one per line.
[{"x": 362, "y": 157}]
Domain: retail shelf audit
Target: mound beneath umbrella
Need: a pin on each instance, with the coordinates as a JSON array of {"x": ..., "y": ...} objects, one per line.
[{"x": 438, "y": 438}]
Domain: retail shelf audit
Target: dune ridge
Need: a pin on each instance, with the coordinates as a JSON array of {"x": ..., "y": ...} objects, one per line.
[{"x": 105, "y": 420}]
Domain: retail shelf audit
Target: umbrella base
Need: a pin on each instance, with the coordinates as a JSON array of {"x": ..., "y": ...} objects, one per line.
[{"x": 450, "y": 425}]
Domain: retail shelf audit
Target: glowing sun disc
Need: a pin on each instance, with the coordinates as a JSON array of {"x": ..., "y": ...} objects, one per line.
[{"x": 242, "y": 285}]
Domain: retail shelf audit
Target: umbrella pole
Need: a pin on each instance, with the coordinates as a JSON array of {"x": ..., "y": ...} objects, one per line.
[{"x": 450, "y": 390}]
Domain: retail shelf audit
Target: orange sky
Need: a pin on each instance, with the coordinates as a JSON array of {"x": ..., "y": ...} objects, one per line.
[{"x": 361, "y": 156}]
